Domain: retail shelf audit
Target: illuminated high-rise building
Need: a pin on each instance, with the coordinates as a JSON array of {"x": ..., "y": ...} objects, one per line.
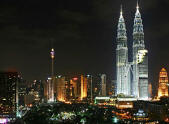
[
  {"x": 51, "y": 79},
  {"x": 50, "y": 90},
  {"x": 84, "y": 83},
  {"x": 60, "y": 88},
  {"x": 9, "y": 93},
  {"x": 74, "y": 82},
  {"x": 163, "y": 83},
  {"x": 98, "y": 84},
  {"x": 140, "y": 60},
  {"x": 103, "y": 85},
  {"x": 122, "y": 64},
  {"x": 132, "y": 77}
]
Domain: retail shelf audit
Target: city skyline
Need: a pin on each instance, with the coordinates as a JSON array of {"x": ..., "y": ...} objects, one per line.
[
  {"x": 89, "y": 61},
  {"x": 82, "y": 35}
]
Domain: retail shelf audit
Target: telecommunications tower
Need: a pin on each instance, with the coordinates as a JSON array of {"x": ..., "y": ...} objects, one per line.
[{"x": 51, "y": 79}]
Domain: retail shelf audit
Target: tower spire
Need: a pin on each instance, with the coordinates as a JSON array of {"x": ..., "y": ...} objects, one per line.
[
  {"x": 121, "y": 11},
  {"x": 137, "y": 5},
  {"x": 121, "y": 25},
  {"x": 137, "y": 9},
  {"x": 138, "y": 26}
]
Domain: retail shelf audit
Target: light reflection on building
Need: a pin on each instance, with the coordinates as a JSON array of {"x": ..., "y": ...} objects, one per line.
[
  {"x": 83, "y": 87},
  {"x": 74, "y": 84},
  {"x": 124, "y": 104},
  {"x": 150, "y": 90},
  {"x": 60, "y": 88}
]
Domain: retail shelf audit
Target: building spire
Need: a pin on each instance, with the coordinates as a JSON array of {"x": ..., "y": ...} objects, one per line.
[
  {"x": 137, "y": 5},
  {"x": 137, "y": 9},
  {"x": 138, "y": 26},
  {"x": 121, "y": 25},
  {"x": 121, "y": 11}
]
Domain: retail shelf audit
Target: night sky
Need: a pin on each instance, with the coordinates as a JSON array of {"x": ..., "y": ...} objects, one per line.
[{"x": 82, "y": 32}]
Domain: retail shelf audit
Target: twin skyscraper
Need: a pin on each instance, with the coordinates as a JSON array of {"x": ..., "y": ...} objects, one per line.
[{"x": 132, "y": 76}]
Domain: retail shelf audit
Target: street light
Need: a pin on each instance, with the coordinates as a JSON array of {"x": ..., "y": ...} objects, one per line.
[{"x": 115, "y": 120}]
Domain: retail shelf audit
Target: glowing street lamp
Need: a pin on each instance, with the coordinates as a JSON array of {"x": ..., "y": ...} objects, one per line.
[
  {"x": 83, "y": 120},
  {"x": 115, "y": 120}
]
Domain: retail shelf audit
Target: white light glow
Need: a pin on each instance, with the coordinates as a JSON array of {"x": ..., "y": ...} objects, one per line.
[
  {"x": 141, "y": 54},
  {"x": 3, "y": 120}
]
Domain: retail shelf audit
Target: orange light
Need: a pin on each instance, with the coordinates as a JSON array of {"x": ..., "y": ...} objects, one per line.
[
  {"x": 75, "y": 78},
  {"x": 163, "y": 81},
  {"x": 167, "y": 120}
]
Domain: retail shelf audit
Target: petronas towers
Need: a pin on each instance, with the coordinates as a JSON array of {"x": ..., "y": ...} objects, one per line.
[{"x": 132, "y": 76}]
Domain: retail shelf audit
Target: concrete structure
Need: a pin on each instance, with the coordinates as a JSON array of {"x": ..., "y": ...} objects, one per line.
[
  {"x": 122, "y": 65},
  {"x": 103, "y": 85},
  {"x": 50, "y": 89},
  {"x": 99, "y": 85},
  {"x": 132, "y": 77},
  {"x": 140, "y": 60}
]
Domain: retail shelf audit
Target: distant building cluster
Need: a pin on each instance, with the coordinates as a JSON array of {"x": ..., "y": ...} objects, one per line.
[
  {"x": 75, "y": 88},
  {"x": 18, "y": 95}
]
